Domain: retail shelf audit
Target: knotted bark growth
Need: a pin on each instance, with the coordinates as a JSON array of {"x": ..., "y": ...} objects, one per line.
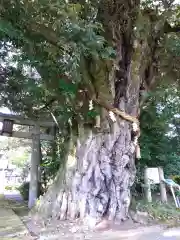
[{"x": 106, "y": 175}]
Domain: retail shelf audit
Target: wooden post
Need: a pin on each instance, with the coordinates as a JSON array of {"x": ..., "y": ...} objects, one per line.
[
  {"x": 34, "y": 169},
  {"x": 147, "y": 187},
  {"x": 162, "y": 185},
  {"x": 174, "y": 197}
]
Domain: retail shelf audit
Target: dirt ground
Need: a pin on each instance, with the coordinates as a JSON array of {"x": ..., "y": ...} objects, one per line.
[
  {"x": 66, "y": 230},
  {"x": 71, "y": 230}
]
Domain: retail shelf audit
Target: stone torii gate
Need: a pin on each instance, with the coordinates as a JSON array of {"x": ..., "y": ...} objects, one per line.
[{"x": 36, "y": 134}]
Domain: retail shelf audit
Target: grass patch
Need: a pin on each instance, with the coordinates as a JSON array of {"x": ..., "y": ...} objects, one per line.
[
  {"x": 163, "y": 213},
  {"x": 11, "y": 188}
]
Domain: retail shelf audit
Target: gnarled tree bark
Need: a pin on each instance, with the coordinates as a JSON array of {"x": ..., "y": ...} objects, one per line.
[{"x": 96, "y": 181}]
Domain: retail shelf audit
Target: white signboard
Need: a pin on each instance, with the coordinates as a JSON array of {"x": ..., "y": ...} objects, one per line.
[{"x": 153, "y": 175}]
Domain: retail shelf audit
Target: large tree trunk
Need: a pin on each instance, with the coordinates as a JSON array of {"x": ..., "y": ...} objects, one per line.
[
  {"x": 107, "y": 172},
  {"x": 100, "y": 168},
  {"x": 97, "y": 185}
]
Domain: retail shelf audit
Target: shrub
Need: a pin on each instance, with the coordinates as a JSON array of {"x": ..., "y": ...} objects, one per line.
[
  {"x": 159, "y": 211},
  {"x": 8, "y": 188},
  {"x": 176, "y": 179},
  {"x": 11, "y": 187},
  {"x": 24, "y": 190}
]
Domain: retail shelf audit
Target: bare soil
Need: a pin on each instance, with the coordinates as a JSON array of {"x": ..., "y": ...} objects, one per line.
[{"x": 67, "y": 230}]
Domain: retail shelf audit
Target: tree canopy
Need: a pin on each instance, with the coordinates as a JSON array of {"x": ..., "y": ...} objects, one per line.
[
  {"x": 43, "y": 51},
  {"x": 50, "y": 50}
]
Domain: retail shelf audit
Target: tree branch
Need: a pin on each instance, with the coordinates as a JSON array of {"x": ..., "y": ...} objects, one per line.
[
  {"x": 47, "y": 33},
  {"x": 103, "y": 104},
  {"x": 45, "y": 106},
  {"x": 116, "y": 111}
]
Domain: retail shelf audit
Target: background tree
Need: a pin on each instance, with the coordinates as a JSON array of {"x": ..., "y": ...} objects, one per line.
[{"x": 159, "y": 138}]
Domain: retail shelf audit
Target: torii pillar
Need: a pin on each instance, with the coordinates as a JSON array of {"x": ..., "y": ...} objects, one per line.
[
  {"x": 2, "y": 182},
  {"x": 34, "y": 168}
]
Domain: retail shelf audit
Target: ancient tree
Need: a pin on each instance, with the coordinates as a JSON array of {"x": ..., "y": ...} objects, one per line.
[{"x": 96, "y": 61}]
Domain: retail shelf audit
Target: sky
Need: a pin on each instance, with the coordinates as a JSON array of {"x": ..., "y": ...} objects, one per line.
[{"x": 4, "y": 110}]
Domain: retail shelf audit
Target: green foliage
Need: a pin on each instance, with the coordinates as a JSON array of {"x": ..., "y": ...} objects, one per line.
[
  {"x": 54, "y": 43},
  {"x": 176, "y": 179},
  {"x": 53, "y": 156},
  {"x": 159, "y": 140},
  {"x": 44, "y": 41},
  {"x": 10, "y": 188},
  {"x": 13, "y": 144},
  {"x": 92, "y": 113},
  {"x": 19, "y": 160},
  {"x": 161, "y": 212},
  {"x": 24, "y": 190}
]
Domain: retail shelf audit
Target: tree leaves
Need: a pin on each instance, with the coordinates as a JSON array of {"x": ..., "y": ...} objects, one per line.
[
  {"x": 67, "y": 87},
  {"x": 160, "y": 142},
  {"x": 50, "y": 37}
]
